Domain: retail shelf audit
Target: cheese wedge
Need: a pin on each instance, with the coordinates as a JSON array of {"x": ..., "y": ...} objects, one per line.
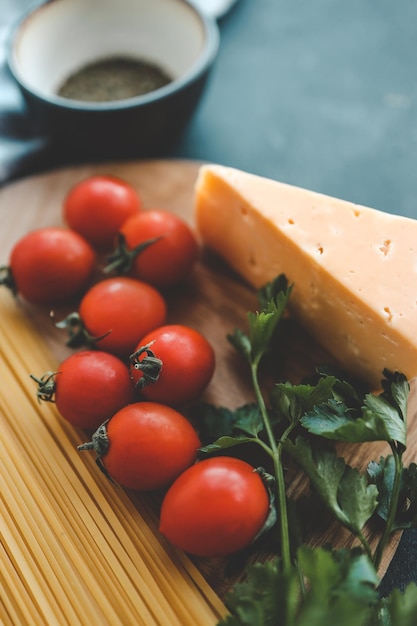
[{"x": 354, "y": 268}]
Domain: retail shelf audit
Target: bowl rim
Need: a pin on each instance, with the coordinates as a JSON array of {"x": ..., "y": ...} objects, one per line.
[{"x": 204, "y": 61}]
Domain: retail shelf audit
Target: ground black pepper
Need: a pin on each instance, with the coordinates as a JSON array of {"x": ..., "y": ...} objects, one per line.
[{"x": 113, "y": 79}]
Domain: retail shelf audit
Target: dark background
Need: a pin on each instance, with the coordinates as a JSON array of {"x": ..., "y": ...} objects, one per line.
[
  {"x": 320, "y": 94},
  {"x": 317, "y": 93}
]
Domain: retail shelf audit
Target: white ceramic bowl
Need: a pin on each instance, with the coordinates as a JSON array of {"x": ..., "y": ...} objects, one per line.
[{"x": 58, "y": 38}]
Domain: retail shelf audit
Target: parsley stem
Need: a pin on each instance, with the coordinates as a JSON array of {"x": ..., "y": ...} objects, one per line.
[
  {"x": 276, "y": 452},
  {"x": 365, "y": 544},
  {"x": 393, "y": 505}
]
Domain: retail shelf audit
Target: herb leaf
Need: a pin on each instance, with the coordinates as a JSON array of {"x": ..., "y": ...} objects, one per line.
[
  {"x": 380, "y": 409},
  {"x": 396, "y": 391},
  {"x": 241, "y": 342},
  {"x": 382, "y": 416},
  {"x": 334, "y": 420},
  {"x": 292, "y": 401},
  {"x": 215, "y": 422},
  {"x": 262, "y": 325},
  {"x": 400, "y": 608},
  {"x": 266, "y": 598},
  {"x": 341, "y": 590},
  {"x": 223, "y": 443},
  {"x": 212, "y": 421},
  {"x": 382, "y": 474},
  {"x": 341, "y": 487},
  {"x": 271, "y": 290},
  {"x": 338, "y": 572},
  {"x": 248, "y": 419}
]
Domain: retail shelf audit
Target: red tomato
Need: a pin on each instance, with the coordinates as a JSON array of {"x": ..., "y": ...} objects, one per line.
[
  {"x": 121, "y": 310},
  {"x": 186, "y": 364},
  {"x": 166, "y": 261},
  {"x": 50, "y": 266},
  {"x": 215, "y": 508},
  {"x": 145, "y": 446},
  {"x": 88, "y": 388},
  {"x": 97, "y": 206}
]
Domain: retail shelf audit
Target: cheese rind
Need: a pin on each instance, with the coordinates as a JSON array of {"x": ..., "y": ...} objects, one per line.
[{"x": 354, "y": 268}]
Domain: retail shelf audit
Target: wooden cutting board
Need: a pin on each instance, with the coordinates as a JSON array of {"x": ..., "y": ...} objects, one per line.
[{"x": 214, "y": 300}]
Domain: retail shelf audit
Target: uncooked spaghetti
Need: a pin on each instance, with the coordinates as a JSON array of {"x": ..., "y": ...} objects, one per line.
[{"x": 74, "y": 548}]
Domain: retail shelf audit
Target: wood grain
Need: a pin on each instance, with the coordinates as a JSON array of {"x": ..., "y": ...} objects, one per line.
[{"x": 214, "y": 300}]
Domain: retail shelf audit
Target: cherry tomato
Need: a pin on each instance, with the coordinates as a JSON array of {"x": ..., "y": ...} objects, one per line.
[
  {"x": 113, "y": 315},
  {"x": 49, "y": 266},
  {"x": 215, "y": 508},
  {"x": 145, "y": 446},
  {"x": 170, "y": 256},
  {"x": 180, "y": 362},
  {"x": 97, "y": 206},
  {"x": 89, "y": 387}
]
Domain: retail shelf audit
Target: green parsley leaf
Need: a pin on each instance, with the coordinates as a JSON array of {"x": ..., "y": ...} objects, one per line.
[
  {"x": 248, "y": 419},
  {"x": 212, "y": 421},
  {"x": 381, "y": 419},
  {"x": 338, "y": 572},
  {"x": 263, "y": 324},
  {"x": 224, "y": 443},
  {"x": 396, "y": 391},
  {"x": 334, "y": 420},
  {"x": 341, "y": 612},
  {"x": 347, "y": 391},
  {"x": 241, "y": 342},
  {"x": 341, "y": 487},
  {"x": 266, "y": 598},
  {"x": 261, "y": 328},
  {"x": 271, "y": 290},
  {"x": 382, "y": 474},
  {"x": 339, "y": 588},
  {"x": 379, "y": 409},
  {"x": 292, "y": 401},
  {"x": 399, "y": 609}
]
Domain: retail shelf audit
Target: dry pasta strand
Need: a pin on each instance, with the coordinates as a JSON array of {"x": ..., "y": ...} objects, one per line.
[{"x": 74, "y": 549}]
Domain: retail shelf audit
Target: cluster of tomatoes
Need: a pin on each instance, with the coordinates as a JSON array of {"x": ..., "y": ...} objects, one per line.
[{"x": 132, "y": 373}]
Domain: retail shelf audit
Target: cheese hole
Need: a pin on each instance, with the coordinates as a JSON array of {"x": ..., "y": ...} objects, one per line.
[
  {"x": 357, "y": 212},
  {"x": 290, "y": 221},
  {"x": 313, "y": 290},
  {"x": 385, "y": 247},
  {"x": 320, "y": 249},
  {"x": 252, "y": 260},
  {"x": 388, "y": 311}
]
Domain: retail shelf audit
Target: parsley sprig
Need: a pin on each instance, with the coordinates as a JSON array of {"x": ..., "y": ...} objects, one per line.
[{"x": 315, "y": 586}]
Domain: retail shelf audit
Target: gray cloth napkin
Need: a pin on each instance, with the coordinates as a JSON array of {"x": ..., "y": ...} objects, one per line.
[{"x": 21, "y": 150}]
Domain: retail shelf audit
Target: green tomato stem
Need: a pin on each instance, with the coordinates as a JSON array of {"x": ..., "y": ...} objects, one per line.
[{"x": 121, "y": 260}]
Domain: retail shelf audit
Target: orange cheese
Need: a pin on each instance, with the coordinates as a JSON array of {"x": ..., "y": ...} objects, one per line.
[{"x": 354, "y": 268}]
